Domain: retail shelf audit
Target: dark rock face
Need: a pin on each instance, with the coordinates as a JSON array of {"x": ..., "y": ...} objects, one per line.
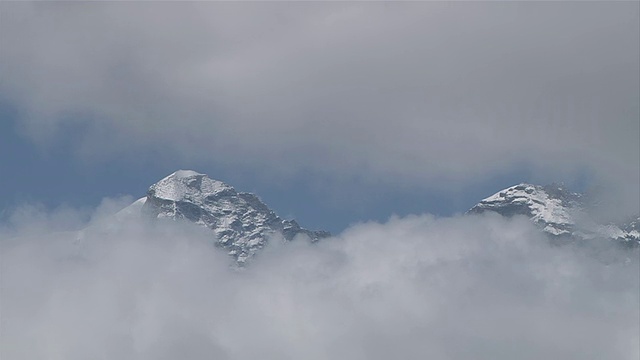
[{"x": 241, "y": 222}]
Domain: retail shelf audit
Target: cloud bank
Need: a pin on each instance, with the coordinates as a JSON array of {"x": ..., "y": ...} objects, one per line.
[
  {"x": 407, "y": 92},
  {"x": 419, "y": 287}
]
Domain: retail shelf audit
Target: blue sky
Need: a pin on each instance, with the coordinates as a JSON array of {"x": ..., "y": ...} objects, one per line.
[
  {"x": 332, "y": 113},
  {"x": 55, "y": 177}
]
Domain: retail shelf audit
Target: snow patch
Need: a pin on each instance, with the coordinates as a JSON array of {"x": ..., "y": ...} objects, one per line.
[
  {"x": 185, "y": 185},
  {"x": 181, "y": 174}
]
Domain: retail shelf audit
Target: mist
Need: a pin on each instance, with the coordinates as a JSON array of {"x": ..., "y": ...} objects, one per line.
[
  {"x": 425, "y": 94},
  {"x": 418, "y": 287}
]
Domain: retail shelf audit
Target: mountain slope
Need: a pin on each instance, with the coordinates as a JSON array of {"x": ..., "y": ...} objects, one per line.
[
  {"x": 559, "y": 212},
  {"x": 241, "y": 222}
]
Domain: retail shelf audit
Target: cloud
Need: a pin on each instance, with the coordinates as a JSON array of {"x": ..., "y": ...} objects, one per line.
[
  {"x": 479, "y": 287},
  {"x": 410, "y": 93}
]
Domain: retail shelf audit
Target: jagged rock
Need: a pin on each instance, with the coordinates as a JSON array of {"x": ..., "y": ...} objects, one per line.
[
  {"x": 558, "y": 211},
  {"x": 241, "y": 222}
]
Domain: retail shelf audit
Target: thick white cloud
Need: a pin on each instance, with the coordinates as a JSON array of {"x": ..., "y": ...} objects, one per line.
[
  {"x": 412, "y": 288},
  {"x": 412, "y": 92}
]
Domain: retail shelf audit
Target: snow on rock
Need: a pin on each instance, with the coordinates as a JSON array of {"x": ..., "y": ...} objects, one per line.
[
  {"x": 556, "y": 210},
  {"x": 551, "y": 206},
  {"x": 187, "y": 184},
  {"x": 241, "y": 222}
]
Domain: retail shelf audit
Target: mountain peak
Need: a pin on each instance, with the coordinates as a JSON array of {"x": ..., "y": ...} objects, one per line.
[
  {"x": 548, "y": 205},
  {"x": 557, "y": 210},
  {"x": 241, "y": 222},
  {"x": 186, "y": 174},
  {"x": 187, "y": 185}
]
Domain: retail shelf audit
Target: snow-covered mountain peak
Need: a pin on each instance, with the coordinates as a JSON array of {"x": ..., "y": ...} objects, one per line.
[
  {"x": 551, "y": 205},
  {"x": 558, "y": 211},
  {"x": 187, "y": 185},
  {"x": 241, "y": 222},
  {"x": 185, "y": 174}
]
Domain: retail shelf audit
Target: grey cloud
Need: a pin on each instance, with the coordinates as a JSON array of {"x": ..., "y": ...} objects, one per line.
[
  {"x": 412, "y": 92},
  {"x": 412, "y": 288}
]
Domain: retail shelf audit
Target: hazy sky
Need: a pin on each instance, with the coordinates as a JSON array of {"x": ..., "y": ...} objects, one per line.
[
  {"x": 335, "y": 114},
  {"x": 354, "y": 110}
]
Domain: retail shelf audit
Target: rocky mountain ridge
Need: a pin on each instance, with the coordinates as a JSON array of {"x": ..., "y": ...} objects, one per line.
[
  {"x": 557, "y": 211},
  {"x": 241, "y": 222}
]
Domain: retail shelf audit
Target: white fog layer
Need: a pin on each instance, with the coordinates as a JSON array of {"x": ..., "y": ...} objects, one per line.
[{"x": 470, "y": 287}]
